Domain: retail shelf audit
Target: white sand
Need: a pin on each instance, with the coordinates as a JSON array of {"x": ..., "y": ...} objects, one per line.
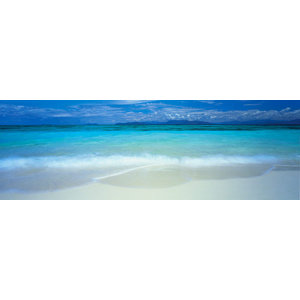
[{"x": 273, "y": 185}]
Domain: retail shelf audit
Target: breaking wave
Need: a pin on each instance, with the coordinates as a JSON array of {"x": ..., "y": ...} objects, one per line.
[{"x": 120, "y": 161}]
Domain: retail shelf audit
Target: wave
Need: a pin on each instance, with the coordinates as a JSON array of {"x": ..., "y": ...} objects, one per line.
[{"x": 121, "y": 161}]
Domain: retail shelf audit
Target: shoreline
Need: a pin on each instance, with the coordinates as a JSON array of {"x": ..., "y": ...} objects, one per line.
[{"x": 273, "y": 185}]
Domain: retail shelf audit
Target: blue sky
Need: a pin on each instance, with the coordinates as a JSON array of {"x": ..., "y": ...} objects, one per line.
[{"x": 120, "y": 111}]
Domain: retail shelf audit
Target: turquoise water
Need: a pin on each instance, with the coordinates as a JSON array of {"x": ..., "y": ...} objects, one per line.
[{"x": 51, "y": 157}]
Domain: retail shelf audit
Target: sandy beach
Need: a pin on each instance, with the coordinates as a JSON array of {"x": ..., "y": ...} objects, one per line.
[{"x": 276, "y": 184}]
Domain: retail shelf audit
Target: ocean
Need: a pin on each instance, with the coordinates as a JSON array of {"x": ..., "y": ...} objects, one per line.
[{"x": 47, "y": 158}]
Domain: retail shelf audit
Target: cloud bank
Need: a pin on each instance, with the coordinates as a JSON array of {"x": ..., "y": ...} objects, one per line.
[{"x": 111, "y": 112}]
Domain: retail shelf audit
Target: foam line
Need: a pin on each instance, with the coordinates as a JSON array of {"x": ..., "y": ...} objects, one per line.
[
  {"x": 118, "y": 161},
  {"x": 123, "y": 172}
]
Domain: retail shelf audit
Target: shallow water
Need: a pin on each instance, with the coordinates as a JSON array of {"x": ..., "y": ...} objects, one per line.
[{"x": 38, "y": 158}]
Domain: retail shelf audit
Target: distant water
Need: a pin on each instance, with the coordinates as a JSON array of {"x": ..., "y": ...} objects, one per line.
[{"x": 38, "y": 158}]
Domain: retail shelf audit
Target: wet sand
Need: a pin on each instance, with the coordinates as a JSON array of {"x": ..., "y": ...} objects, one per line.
[{"x": 170, "y": 184}]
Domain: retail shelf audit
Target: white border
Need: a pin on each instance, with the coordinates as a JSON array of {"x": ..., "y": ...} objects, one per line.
[
  {"x": 149, "y": 250},
  {"x": 159, "y": 49}
]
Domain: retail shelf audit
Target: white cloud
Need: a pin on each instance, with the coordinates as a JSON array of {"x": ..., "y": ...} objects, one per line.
[{"x": 142, "y": 110}]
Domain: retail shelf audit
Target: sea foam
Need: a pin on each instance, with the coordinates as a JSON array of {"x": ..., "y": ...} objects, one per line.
[{"x": 121, "y": 161}]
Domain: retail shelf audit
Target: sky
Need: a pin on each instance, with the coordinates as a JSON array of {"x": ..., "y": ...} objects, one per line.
[{"x": 62, "y": 112}]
